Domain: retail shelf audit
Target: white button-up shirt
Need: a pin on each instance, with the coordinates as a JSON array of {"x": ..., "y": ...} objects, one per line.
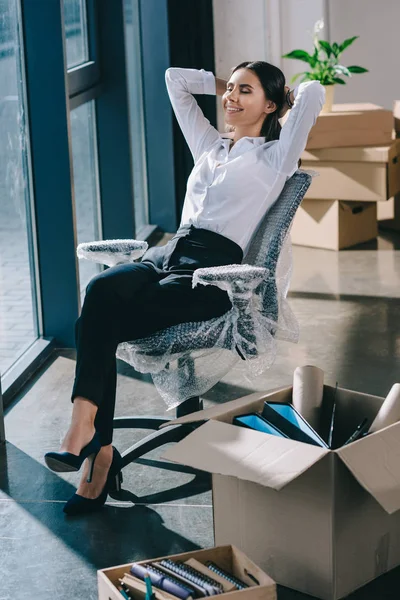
[{"x": 229, "y": 192}]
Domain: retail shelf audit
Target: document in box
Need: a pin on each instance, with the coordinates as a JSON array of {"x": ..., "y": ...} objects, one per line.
[{"x": 286, "y": 418}]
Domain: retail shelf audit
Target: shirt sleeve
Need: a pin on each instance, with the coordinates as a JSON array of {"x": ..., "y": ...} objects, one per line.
[
  {"x": 181, "y": 84},
  {"x": 309, "y": 98}
]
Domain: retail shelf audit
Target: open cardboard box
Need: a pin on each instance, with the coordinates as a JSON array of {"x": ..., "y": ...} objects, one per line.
[
  {"x": 360, "y": 173},
  {"x": 320, "y": 521},
  {"x": 227, "y": 557}
]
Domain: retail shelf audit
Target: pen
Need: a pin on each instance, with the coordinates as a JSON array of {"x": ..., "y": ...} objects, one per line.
[
  {"x": 149, "y": 587},
  {"x": 358, "y": 432},
  {"x": 123, "y": 593}
]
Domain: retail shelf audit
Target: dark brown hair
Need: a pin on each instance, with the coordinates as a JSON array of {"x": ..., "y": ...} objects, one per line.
[{"x": 273, "y": 83}]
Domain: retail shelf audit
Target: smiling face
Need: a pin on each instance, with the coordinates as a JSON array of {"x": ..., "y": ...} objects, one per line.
[{"x": 244, "y": 102}]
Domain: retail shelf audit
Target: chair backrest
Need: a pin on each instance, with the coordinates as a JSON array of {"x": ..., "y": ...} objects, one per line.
[{"x": 268, "y": 240}]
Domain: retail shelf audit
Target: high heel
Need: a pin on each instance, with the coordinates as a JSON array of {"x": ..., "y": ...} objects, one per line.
[
  {"x": 78, "y": 505},
  {"x": 61, "y": 462}
]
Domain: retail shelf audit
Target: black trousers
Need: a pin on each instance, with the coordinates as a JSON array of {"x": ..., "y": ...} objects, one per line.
[{"x": 131, "y": 301}]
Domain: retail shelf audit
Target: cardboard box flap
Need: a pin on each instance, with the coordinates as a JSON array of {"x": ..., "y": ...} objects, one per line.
[
  {"x": 223, "y": 412},
  {"x": 225, "y": 449},
  {"x": 374, "y": 462}
]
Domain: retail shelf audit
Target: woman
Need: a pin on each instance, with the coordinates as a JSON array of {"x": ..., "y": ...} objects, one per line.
[{"x": 235, "y": 180}]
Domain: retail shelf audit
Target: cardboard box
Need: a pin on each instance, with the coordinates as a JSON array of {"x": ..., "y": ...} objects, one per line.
[
  {"x": 366, "y": 174},
  {"x": 389, "y": 214},
  {"x": 320, "y": 521},
  {"x": 334, "y": 224},
  {"x": 227, "y": 556},
  {"x": 360, "y": 124}
]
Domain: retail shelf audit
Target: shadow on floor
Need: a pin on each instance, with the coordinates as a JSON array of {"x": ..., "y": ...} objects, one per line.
[{"x": 21, "y": 479}]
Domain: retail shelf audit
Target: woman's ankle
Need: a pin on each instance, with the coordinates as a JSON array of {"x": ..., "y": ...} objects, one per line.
[
  {"x": 77, "y": 436},
  {"x": 83, "y": 412}
]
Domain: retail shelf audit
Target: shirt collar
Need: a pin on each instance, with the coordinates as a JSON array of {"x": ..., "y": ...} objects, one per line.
[{"x": 256, "y": 141}]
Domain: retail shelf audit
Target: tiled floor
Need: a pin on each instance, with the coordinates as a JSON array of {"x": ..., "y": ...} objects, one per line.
[{"x": 349, "y": 313}]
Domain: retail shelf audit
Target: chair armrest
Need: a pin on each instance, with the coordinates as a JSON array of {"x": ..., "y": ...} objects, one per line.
[
  {"x": 112, "y": 252},
  {"x": 249, "y": 329},
  {"x": 239, "y": 281}
]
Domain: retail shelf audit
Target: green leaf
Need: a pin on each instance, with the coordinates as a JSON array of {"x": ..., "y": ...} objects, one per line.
[
  {"x": 355, "y": 69},
  {"x": 314, "y": 58},
  {"x": 338, "y": 80},
  {"x": 347, "y": 43},
  {"x": 299, "y": 55},
  {"x": 326, "y": 46},
  {"x": 335, "y": 49},
  {"x": 342, "y": 69},
  {"x": 295, "y": 77},
  {"x": 307, "y": 76}
]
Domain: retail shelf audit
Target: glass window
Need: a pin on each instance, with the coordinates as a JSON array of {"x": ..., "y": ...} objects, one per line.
[
  {"x": 136, "y": 116},
  {"x": 86, "y": 188},
  {"x": 76, "y": 36},
  {"x": 18, "y": 312}
]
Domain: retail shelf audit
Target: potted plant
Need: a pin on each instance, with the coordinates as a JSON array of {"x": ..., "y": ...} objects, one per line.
[{"x": 324, "y": 64}]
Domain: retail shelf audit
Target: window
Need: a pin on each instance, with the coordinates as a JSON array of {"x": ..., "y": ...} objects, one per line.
[
  {"x": 18, "y": 303},
  {"x": 75, "y": 22},
  {"x": 135, "y": 96},
  {"x": 87, "y": 203}
]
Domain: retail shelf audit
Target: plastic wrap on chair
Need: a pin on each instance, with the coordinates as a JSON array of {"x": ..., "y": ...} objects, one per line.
[
  {"x": 112, "y": 252},
  {"x": 188, "y": 359}
]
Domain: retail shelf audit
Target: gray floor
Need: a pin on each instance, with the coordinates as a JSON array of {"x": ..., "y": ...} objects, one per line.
[{"x": 349, "y": 313}]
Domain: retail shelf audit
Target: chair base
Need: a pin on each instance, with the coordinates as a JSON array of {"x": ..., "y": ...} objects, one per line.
[{"x": 175, "y": 433}]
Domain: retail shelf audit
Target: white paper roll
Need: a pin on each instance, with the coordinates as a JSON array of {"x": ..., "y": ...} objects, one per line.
[
  {"x": 308, "y": 390},
  {"x": 389, "y": 412}
]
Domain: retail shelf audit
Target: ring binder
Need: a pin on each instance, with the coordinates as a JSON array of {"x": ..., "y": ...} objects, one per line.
[
  {"x": 160, "y": 580},
  {"x": 205, "y": 585},
  {"x": 241, "y": 585}
]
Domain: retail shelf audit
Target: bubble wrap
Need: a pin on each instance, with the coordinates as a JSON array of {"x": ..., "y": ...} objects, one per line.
[
  {"x": 112, "y": 252},
  {"x": 188, "y": 359}
]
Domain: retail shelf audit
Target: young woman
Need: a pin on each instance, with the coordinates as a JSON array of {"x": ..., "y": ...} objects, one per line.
[{"x": 235, "y": 179}]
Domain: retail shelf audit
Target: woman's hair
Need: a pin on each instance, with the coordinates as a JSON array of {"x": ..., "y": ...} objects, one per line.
[{"x": 273, "y": 83}]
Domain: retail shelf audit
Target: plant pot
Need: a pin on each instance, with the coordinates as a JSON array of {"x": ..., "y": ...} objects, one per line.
[{"x": 327, "y": 107}]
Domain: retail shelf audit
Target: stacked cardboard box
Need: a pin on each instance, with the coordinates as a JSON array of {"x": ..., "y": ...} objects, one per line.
[
  {"x": 358, "y": 162},
  {"x": 389, "y": 212}
]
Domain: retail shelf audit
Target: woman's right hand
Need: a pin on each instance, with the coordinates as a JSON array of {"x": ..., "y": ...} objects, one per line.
[{"x": 285, "y": 107}]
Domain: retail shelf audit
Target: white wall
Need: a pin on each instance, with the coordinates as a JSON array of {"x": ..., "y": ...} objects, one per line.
[
  {"x": 377, "y": 24},
  {"x": 239, "y": 35},
  {"x": 266, "y": 29},
  {"x": 297, "y": 18}
]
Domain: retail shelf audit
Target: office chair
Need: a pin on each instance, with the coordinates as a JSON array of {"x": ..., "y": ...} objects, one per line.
[{"x": 187, "y": 359}]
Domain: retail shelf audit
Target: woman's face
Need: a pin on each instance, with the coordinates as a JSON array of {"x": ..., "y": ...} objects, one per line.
[{"x": 244, "y": 101}]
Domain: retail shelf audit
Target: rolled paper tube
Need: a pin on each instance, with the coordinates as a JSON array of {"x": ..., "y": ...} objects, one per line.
[
  {"x": 308, "y": 390},
  {"x": 389, "y": 412}
]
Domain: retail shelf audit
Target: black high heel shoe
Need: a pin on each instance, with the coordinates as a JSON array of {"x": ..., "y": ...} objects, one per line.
[
  {"x": 79, "y": 505},
  {"x": 61, "y": 462}
]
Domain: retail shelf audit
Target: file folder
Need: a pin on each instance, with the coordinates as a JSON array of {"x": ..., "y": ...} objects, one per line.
[
  {"x": 286, "y": 418},
  {"x": 257, "y": 422}
]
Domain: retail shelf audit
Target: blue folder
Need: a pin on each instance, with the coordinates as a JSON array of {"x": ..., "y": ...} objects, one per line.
[
  {"x": 286, "y": 418},
  {"x": 257, "y": 422}
]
